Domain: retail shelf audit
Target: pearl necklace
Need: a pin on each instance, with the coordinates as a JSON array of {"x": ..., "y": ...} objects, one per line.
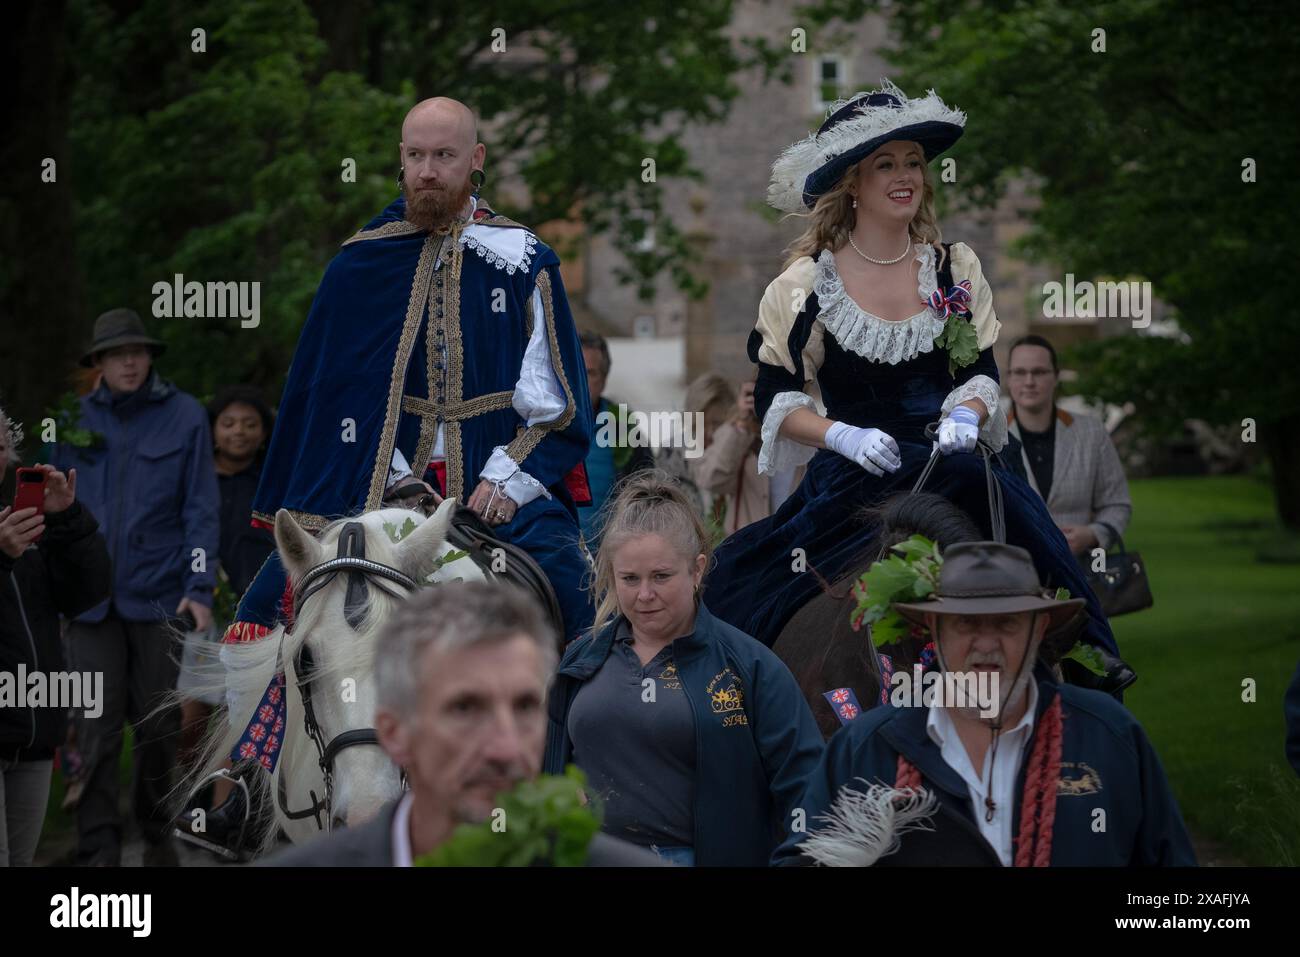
[{"x": 881, "y": 262}]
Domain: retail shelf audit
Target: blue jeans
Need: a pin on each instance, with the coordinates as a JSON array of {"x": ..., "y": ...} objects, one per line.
[{"x": 681, "y": 856}]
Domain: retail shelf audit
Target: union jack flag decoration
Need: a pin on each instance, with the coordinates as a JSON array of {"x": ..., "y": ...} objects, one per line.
[
  {"x": 261, "y": 740},
  {"x": 844, "y": 703},
  {"x": 886, "y": 673}
]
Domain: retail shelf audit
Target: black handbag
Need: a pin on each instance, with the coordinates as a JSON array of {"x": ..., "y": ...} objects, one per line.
[{"x": 1122, "y": 587}]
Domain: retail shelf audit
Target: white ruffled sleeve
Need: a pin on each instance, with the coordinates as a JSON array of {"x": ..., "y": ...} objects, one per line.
[
  {"x": 538, "y": 398},
  {"x": 777, "y": 452},
  {"x": 521, "y": 487},
  {"x": 994, "y": 429}
]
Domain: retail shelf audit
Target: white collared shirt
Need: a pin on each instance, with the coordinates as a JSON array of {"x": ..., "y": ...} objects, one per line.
[
  {"x": 402, "y": 831},
  {"x": 1011, "y": 750}
]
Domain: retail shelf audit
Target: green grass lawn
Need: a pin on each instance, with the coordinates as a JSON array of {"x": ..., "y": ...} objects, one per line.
[{"x": 1220, "y": 617}]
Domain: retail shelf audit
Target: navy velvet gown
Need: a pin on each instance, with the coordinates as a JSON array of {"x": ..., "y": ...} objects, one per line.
[{"x": 754, "y": 585}]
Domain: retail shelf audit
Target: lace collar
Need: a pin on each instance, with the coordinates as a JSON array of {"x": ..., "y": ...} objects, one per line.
[
  {"x": 508, "y": 248},
  {"x": 867, "y": 335}
]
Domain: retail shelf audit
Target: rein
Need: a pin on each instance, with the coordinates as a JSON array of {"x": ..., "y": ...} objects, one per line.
[{"x": 997, "y": 515}]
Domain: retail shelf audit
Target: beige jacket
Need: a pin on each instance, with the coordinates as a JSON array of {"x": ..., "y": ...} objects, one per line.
[
  {"x": 728, "y": 472},
  {"x": 1088, "y": 484}
]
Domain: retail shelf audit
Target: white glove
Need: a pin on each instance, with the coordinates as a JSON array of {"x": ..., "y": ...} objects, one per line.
[
  {"x": 872, "y": 449},
  {"x": 959, "y": 431}
]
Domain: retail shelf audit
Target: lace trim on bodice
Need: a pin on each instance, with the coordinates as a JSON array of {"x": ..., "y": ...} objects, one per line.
[{"x": 869, "y": 336}]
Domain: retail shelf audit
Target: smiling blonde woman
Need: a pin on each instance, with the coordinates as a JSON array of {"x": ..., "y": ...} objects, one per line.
[{"x": 897, "y": 328}]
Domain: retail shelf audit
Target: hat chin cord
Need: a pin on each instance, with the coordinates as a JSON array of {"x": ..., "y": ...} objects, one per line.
[{"x": 995, "y": 724}]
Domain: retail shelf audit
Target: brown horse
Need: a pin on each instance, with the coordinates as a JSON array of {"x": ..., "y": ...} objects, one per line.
[{"x": 819, "y": 645}]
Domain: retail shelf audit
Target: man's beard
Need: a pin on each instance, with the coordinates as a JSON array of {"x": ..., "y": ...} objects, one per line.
[{"x": 436, "y": 207}]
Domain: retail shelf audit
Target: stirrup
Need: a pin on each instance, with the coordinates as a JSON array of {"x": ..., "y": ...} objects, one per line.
[{"x": 189, "y": 836}]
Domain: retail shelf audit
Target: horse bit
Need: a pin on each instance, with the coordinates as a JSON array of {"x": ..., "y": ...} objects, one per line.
[{"x": 350, "y": 559}]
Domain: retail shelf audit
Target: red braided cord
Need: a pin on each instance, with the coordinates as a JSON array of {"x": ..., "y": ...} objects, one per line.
[
  {"x": 1038, "y": 803},
  {"x": 908, "y": 776},
  {"x": 1047, "y": 799}
]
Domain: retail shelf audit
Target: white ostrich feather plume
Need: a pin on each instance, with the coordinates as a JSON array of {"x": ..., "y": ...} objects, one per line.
[
  {"x": 863, "y": 827},
  {"x": 800, "y": 160}
]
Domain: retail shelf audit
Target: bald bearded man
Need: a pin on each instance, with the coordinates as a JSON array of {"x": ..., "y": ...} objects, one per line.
[{"x": 440, "y": 349}]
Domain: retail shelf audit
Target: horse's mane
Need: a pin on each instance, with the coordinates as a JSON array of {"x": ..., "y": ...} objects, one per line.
[
  {"x": 922, "y": 513},
  {"x": 897, "y": 519}
]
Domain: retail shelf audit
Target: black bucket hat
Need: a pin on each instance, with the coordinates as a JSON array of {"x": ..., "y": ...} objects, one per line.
[{"x": 119, "y": 327}]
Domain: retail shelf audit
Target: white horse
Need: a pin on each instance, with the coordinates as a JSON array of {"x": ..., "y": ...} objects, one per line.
[{"x": 339, "y": 641}]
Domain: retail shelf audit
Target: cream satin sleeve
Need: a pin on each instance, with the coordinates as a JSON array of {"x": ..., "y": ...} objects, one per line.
[{"x": 787, "y": 343}]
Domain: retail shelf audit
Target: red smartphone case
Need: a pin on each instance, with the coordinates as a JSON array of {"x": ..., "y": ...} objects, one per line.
[{"x": 29, "y": 490}]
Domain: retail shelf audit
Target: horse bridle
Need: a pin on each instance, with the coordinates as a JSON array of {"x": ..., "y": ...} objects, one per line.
[{"x": 350, "y": 559}]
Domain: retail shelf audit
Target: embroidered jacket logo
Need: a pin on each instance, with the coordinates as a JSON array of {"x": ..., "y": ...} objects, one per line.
[{"x": 727, "y": 698}]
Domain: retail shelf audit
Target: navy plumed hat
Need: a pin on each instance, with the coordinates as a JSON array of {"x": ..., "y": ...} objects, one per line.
[{"x": 854, "y": 129}]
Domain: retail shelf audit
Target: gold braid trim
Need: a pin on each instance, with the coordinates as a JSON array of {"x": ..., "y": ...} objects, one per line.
[
  {"x": 432, "y": 379},
  {"x": 455, "y": 361},
  {"x": 410, "y": 328},
  {"x": 308, "y": 520},
  {"x": 459, "y": 411},
  {"x": 496, "y": 219},
  {"x": 399, "y": 228},
  {"x": 523, "y": 445}
]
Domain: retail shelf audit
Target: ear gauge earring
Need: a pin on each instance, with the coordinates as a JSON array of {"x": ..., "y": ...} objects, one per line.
[{"x": 401, "y": 175}]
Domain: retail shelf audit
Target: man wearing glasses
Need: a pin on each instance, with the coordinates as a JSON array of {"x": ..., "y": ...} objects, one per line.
[{"x": 1069, "y": 459}]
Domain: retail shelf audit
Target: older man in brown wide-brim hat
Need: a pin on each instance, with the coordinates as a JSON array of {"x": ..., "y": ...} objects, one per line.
[{"x": 1055, "y": 775}]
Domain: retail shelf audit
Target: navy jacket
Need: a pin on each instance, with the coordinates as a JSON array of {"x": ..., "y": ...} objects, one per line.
[
  {"x": 756, "y": 740},
  {"x": 152, "y": 485},
  {"x": 1106, "y": 763}
]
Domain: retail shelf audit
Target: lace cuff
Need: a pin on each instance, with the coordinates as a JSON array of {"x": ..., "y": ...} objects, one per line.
[
  {"x": 780, "y": 453},
  {"x": 521, "y": 487},
  {"x": 994, "y": 429}
]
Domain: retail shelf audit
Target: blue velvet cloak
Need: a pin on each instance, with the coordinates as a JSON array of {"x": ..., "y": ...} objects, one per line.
[{"x": 368, "y": 372}]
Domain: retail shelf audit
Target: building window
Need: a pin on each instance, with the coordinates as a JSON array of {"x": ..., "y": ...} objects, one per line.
[
  {"x": 646, "y": 244},
  {"x": 830, "y": 81}
]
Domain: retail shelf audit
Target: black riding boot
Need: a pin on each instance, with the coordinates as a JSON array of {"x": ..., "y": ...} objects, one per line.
[{"x": 230, "y": 831}]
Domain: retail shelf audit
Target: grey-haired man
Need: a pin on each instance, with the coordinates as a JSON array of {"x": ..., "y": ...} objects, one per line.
[{"x": 462, "y": 675}]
